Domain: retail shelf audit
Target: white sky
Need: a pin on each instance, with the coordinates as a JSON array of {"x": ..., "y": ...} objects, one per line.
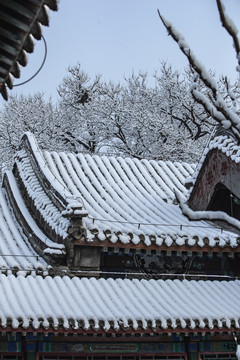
[{"x": 115, "y": 37}]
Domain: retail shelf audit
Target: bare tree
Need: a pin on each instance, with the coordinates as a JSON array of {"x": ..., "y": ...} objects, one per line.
[
  {"x": 144, "y": 117},
  {"x": 134, "y": 118}
]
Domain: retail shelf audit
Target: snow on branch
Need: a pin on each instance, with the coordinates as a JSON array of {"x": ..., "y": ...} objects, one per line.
[
  {"x": 217, "y": 107},
  {"x": 193, "y": 61},
  {"x": 232, "y": 30},
  {"x": 218, "y": 111},
  {"x": 205, "y": 102}
]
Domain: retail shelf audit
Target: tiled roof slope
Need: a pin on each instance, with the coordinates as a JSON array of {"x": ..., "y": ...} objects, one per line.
[
  {"x": 74, "y": 304},
  {"x": 49, "y": 202},
  {"x": 38, "y": 240},
  {"x": 132, "y": 202},
  {"x": 20, "y": 22},
  {"x": 16, "y": 253},
  {"x": 128, "y": 202}
]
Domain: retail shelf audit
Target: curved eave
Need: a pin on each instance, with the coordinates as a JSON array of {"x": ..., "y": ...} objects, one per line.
[
  {"x": 19, "y": 25},
  {"x": 123, "y": 332}
]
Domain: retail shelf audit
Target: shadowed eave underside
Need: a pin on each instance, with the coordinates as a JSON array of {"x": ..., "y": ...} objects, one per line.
[{"x": 20, "y": 22}]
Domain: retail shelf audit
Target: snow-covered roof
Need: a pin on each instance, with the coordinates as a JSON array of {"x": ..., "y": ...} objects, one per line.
[
  {"x": 16, "y": 252},
  {"x": 132, "y": 202},
  {"x": 218, "y": 165},
  {"x": 226, "y": 143},
  {"x": 128, "y": 202},
  {"x": 98, "y": 304},
  {"x": 119, "y": 202}
]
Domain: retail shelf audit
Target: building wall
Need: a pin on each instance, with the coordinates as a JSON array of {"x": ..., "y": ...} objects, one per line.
[
  {"x": 118, "y": 347},
  {"x": 217, "y": 168}
]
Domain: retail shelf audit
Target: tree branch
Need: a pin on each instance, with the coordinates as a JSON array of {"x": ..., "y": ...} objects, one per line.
[
  {"x": 230, "y": 27},
  {"x": 228, "y": 118},
  {"x": 196, "y": 65}
]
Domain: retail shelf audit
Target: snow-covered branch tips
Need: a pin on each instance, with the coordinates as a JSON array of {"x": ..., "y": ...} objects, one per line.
[{"x": 221, "y": 103}]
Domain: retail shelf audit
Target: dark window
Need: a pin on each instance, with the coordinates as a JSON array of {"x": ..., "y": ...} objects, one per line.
[{"x": 224, "y": 200}]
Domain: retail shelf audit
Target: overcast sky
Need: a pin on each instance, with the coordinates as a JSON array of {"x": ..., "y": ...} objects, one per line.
[{"x": 116, "y": 37}]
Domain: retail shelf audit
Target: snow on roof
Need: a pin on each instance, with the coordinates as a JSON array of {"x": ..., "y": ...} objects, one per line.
[
  {"x": 132, "y": 201},
  {"x": 51, "y": 198},
  {"x": 50, "y": 213},
  {"x": 100, "y": 304},
  {"x": 128, "y": 201},
  {"x": 16, "y": 252},
  {"x": 32, "y": 226},
  {"x": 225, "y": 143}
]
